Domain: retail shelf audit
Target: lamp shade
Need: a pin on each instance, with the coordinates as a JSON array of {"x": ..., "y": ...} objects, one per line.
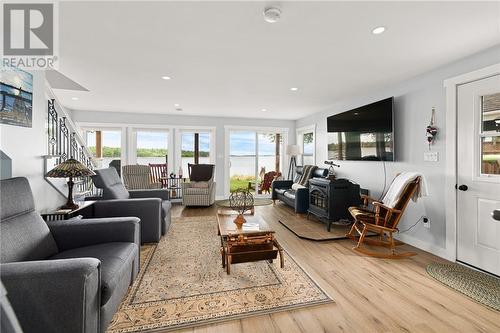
[
  {"x": 70, "y": 168},
  {"x": 293, "y": 150}
]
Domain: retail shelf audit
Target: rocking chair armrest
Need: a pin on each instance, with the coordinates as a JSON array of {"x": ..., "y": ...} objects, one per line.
[
  {"x": 378, "y": 205},
  {"x": 367, "y": 199}
]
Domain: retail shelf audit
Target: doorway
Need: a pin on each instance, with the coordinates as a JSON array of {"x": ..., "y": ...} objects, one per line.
[
  {"x": 251, "y": 155},
  {"x": 478, "y": 173}
]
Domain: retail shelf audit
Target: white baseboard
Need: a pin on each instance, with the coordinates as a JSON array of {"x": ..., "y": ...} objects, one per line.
[{"x": 436, "y": 250}]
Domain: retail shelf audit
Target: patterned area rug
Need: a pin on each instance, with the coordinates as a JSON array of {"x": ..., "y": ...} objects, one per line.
[
  {"x": 479, "y": 286},
  {"x": 182, "y": 283}
]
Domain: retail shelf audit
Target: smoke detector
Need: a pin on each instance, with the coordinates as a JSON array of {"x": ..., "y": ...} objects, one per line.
[{"x": 272, "y": 14}]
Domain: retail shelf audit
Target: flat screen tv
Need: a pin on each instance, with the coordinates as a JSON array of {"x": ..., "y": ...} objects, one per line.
[{"x": 363, "y": 134}]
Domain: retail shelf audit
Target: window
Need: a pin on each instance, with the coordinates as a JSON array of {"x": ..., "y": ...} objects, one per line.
[
  {"x": 252, "y": 155},
  {"x": 105, "y": 147},
  {"x": 195, "y": 148},
  {"x": 305, "y": 138},
  {"x": 151, "y": 147},
  {"x": 490, "y": 134},
  {"x": 308, "y": 148}
]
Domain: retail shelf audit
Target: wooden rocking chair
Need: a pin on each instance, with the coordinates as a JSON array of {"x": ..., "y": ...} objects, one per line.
[
  {"x": 382, "y": 220},
  {"x": 159, "y": 173}
]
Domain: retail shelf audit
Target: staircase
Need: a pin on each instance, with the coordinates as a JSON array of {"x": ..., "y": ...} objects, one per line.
[{"x": 64, "y": 142}]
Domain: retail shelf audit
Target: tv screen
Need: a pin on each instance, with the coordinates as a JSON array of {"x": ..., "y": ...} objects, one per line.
[{"x": 363, "y": 134}]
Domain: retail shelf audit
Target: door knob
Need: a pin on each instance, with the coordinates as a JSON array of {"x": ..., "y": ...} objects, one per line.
[
  {"x": 463, "y": 187},
  {"x": 496, "y": 214}
]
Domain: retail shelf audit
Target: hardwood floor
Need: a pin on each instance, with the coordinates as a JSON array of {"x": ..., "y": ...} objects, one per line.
[{"x": 370, "y": 294}]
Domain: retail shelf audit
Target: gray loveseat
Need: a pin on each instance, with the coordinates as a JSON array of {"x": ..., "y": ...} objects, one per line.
[
  {"x": 151, "y": 206},
  {"x": 63, "y": 276}
]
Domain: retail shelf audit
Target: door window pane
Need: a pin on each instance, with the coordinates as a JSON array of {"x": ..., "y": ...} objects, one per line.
[
  {"x": 490, "y": 155},
  {"x": 490, "y": 111},
  {"x": 105, "y": 147},
  {"x": 242, "y": 156},
  {"x": 152, "y": 147},
  {"x": 188, "y": 149},
  {"x": 269, "y": 159}
]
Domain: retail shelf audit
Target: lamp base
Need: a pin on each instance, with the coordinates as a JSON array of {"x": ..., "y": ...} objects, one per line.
[{"x": 71, "y": 206}]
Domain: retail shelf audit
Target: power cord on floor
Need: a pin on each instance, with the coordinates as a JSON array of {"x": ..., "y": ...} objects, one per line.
[{"x": 420, "y": 219}]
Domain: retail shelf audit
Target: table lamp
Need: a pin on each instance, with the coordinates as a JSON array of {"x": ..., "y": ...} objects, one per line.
[{"x": 69, "y": 169}]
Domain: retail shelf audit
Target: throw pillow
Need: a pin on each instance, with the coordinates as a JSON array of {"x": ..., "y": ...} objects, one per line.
[
  {"x": 200, "y": 184},
  {"x": 307, "y": 173}
]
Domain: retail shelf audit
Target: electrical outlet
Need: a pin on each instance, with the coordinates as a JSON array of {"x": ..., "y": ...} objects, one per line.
[
  {"x": 431, "y": 156},
  {"x": 426, "y": 221}
]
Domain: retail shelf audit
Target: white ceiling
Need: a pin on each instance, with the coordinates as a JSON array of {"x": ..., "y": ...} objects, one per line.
[{"x": 225, "y": 60}]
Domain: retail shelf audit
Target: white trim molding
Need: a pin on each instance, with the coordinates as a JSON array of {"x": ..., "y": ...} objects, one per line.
[{"x": 451, "y": 86}]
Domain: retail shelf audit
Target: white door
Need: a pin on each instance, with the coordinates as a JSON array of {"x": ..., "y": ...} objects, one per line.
[{"x": 478, "y": 174}]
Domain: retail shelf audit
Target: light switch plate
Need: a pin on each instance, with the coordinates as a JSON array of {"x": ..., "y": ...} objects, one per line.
[{"x": 431, "y": 156}]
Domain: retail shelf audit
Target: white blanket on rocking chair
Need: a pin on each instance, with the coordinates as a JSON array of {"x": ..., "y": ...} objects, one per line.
[{"x": 398, "y": 186}]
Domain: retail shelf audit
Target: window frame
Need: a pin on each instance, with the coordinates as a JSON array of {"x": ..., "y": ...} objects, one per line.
[
  {"x": 132, "y": 147},
  {"x": 300, "y": 140}
]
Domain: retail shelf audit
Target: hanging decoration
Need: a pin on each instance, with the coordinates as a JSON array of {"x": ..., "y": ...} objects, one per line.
[{"x": 431, "y": 130}]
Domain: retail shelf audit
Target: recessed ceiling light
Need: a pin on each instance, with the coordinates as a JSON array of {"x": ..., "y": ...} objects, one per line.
[
  {"x": 74, "y": 98},
  {"x": 378, "y": 30},
  {"x": 263, "y": 110},
  {"x": 294, "y": 89},
  {"x": 177, "y": 105},
  {"x": 166, "y": 77}
]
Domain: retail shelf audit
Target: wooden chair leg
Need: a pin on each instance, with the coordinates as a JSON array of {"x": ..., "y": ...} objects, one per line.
[
  {"x": 222, "y": 252},
  {"x": 353, "y": 227},
  {"x": 362, "y": 237},
  {"x": 393, "y": 247}
]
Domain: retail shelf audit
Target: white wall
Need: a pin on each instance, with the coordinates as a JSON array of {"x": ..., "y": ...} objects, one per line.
[
  {"x": 134, "y": 119},
  {"x": 413, "y": 102},
  {"x": 26, "y": 146}
]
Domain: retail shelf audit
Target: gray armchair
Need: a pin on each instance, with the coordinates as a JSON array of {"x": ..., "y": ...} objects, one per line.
[
  {"x": 64, "y": 276},
  {"x": 151, "y": 206},
  {"x": 200, "y": 191}
]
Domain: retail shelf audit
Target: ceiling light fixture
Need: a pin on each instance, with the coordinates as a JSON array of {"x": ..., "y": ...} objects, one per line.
[
  {"x": 272, "y": 14},
  {"x": 294, "y": 89},
  {"x": 378, "y": 30},
  {"x": 166, "y": 77},
  {"x": 177, "y": 105},
  {"x": 74, "y": 98},
  {"x": 263, "y": 110}
]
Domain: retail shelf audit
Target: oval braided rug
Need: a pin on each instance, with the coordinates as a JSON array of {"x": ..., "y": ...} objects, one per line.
[{"x": 477, "y": 285}]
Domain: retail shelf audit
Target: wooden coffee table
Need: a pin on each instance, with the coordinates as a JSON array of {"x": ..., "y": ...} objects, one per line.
[{"x": 254, "y": 241}]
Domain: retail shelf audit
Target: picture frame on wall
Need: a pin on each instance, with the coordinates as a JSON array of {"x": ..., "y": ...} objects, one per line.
[{"x": 16, "y": 97}]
